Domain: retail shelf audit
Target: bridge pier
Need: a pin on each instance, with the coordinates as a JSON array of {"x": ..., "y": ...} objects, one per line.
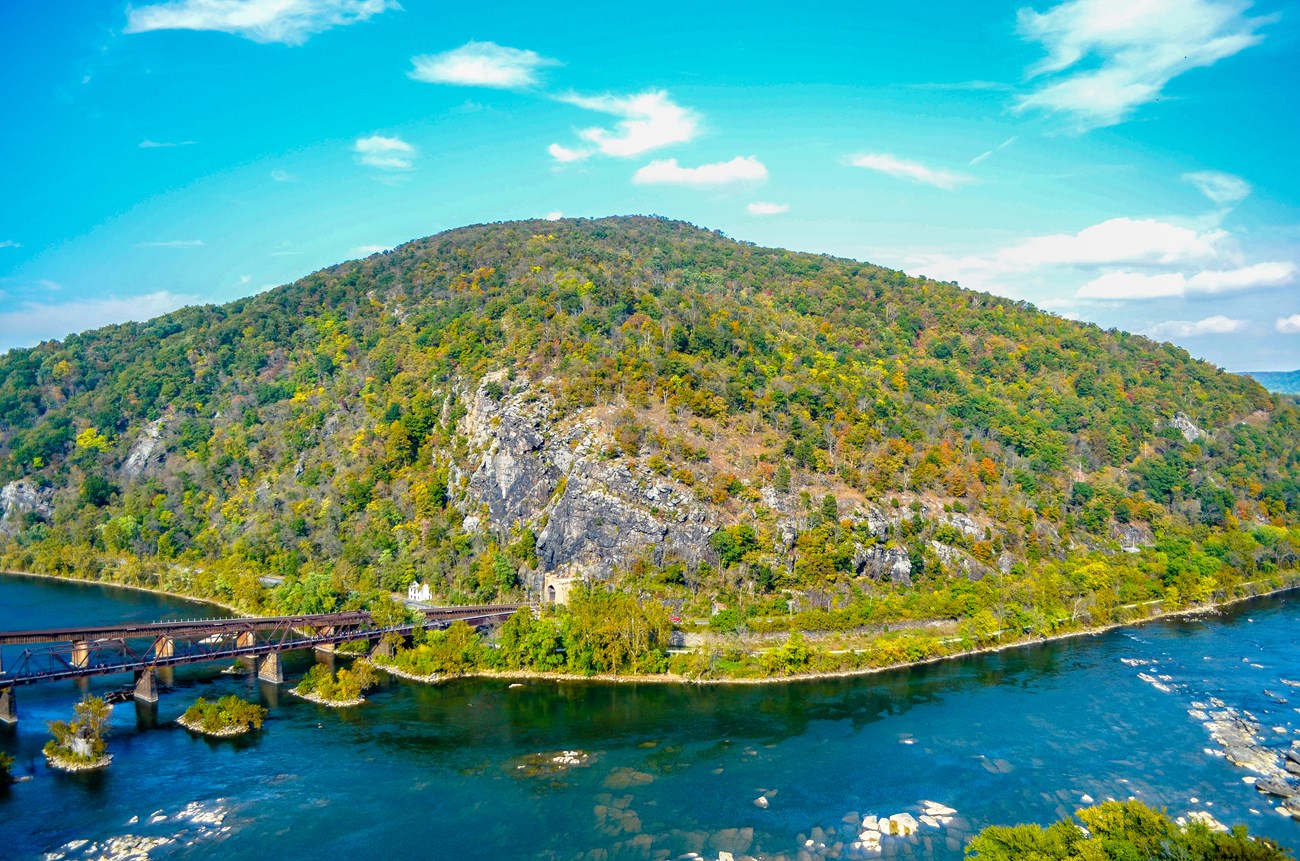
[
  {"x": 270, "y": 669},
  {"x": 383, "y": 647},
  {"x": 164, "y": 647},
  {"x": 146, "y": 685},
  {"x": 8, "y": 706},
  {"x": 80, "y": 654}
]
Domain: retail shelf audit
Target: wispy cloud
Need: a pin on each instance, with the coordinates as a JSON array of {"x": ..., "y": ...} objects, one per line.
[
  {"x": 915, "y": 171},
  {"x": 554, "y": 215},
  {"x": 963, "y": 86},
  {"x": 741, "y": 170},
  {"x": 385, "y": 153},
  {"x": 1288, "y": 325},
  {"x": 278, "y": 175},
  {"x": 1106, "y": 58},
  {"x": 1121, "y": 259},
  {"x": 979, "y": 158},
  {"x": 1216, "y": 325},
  {"x": 367, "y": 250},
  {"x": 148, "y": 144},
  {"x": 1220, "y": 188},
  {"x": 648, "y": 121},
  {"x": 481, "y": 64},
  {"x": 289, "y": 21},
  {"x": 172, "y": 243},
  {"x": 762, "y": 208},
  {"x": 1176, "y": 285},
  {"x": 34, "y": 322},
  {"x": 9, "y": 243}
]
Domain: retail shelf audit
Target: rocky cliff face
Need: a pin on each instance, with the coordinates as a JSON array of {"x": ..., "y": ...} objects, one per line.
[
  {"x": 592, "y": 513},
  {"x": 21, "y": 497},
  {"x": 589, "y": 512}
]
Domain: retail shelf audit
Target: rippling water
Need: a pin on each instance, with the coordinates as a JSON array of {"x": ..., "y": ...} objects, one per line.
[{"x": 465, "y": 769}]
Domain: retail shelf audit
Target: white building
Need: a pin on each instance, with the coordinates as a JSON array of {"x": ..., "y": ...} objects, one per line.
[{"x": 419, "y": 592}]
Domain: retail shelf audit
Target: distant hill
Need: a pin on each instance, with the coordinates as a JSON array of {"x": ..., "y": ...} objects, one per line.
[
  {"x": 1282, "y": 382},
  {"x": 500, "y": 407}
]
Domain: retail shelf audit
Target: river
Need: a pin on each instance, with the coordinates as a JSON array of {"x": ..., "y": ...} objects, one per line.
[{"x": 465, "y": 769}]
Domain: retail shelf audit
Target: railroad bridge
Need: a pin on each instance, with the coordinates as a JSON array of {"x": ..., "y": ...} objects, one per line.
[{"x": 73, "y": 653}]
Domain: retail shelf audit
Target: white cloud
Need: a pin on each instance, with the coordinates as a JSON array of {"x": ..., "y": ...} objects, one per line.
[
  {"x": 9, "y": 243},
  {"x": 367, "y": 250},
  {"x": 762, "y": 208},
  {"x": 278, "y": 175},
  {"x": 481, "y": 64},
  {"x": 554, "y": 215},
  {"x": 385, "y": 153},
  {"x": 1220, "y": 188},
  {"x": 1171, "y": 285},
  {"x": 36, "y": 321},
  {"x": 649, "y": 121},
  {"x": 1105, "y": 58},
  {"x": 1288, "y": 325},
  {"x": 1123, "y": 242},
  {"x": 148, "y": 144},
  {"x": 1216, "y": 325},
  {"x": 289, "y": 21},
  {"x": 903, "y": 169},
  {"x": 741, "y": 170},
  {"x": 172, "y": 243},
  {"x": 565, "y": 155},
  {"x": 979, "y": 158},
  {"x": 1117, "y": 260}
]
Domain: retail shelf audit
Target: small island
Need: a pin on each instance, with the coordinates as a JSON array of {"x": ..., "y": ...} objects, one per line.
[
  {"x": 78, "y": 745},
  {"x": 227, "y": 717},
  {"x": 338, "y": 690}
]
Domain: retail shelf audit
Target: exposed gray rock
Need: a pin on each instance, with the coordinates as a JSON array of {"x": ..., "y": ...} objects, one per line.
[
  {"x": 959, "y": 560},
  {"x": 1184, "y": 425},
  {"x": 880, "y": 562},
  {"x": 20, "y": 497},
  {"x": 1132, "y": 535},
  {"x": 142, "y": 454},
  {"x": 963, "y": 523},
  {"x": 590, "y": 514}
]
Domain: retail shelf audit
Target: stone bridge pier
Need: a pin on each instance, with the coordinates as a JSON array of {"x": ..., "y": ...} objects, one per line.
[
  {"x": 146, "y": 685},
  {"x": 270, "y": 669},
  {"x": 8, "y": 706}
]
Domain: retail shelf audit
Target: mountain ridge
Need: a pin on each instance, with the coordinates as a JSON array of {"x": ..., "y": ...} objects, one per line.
[{"x": 499, "y": 407}]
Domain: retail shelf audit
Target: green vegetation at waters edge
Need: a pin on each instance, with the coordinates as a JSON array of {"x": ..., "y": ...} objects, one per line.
[
  {"x": 6, "y": 764},
  {"x": 228, "y": 715},
  {"x": 867, "y": 451},
  {"x": 346, "y": 685},
  {"x": 1121, "y": 831},
  {"x": 81, "y": 740}
]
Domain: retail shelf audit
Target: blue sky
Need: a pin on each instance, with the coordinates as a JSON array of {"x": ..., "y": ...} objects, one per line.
[{"x": 1127, "y": 162}]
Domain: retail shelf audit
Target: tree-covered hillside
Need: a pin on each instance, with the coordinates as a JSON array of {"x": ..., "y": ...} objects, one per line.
[{"x": 693, "y": 416}]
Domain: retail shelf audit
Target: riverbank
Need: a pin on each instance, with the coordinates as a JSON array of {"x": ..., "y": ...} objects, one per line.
[{"x": 677, "y": 679}]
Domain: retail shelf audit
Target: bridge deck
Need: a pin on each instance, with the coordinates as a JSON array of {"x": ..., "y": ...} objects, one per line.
[
  {"x": 185, "y": 628},
  {"x": 103, "y": 650}
]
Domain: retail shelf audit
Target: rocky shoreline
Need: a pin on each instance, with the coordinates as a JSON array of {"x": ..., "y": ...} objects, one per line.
[
  {"x": 74, "y": 765},
  {"x": 321, "y": 701},
  {"x": 229, "y": 732}
]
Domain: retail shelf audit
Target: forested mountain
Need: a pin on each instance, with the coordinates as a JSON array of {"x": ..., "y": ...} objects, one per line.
[{"x": 639, "y": 399}]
